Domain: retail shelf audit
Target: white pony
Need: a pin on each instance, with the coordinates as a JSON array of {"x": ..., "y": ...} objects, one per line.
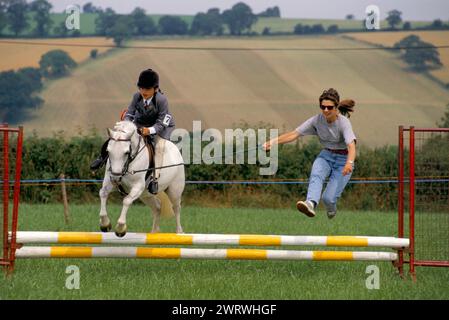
[{"x": 128, "y": 154}]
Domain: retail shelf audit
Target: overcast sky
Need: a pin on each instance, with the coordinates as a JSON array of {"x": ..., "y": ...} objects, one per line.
[{"x": 324, "y": 9}]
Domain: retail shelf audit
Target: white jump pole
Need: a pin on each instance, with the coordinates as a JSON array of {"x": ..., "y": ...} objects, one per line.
[
  {"x": 182, "y": 253},
  {"x": 28, "y": 237}
]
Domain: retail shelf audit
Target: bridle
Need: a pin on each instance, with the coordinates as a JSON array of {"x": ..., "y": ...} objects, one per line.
[{"x": 130, "y": 159}]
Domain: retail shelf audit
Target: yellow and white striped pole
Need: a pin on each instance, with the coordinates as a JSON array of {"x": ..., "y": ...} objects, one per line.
[
  {"x": 28, "y": 237},
  {"x": 182, "y": 253}
]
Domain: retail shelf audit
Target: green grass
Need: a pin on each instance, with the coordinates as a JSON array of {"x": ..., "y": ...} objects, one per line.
[{"x": 202, "y": 279}]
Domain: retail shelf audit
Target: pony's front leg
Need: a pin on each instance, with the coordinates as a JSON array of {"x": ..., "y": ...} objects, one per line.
[
  {"x": 134, "y": 193},
  {"x": 105, "y": 223}
]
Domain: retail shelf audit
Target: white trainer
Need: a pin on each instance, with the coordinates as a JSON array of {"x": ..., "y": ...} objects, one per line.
[
  {"x": 331, "y": 214},
  {"x": 306, "y": 207}
]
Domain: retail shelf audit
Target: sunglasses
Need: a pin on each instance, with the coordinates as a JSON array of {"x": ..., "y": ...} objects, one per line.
[{"x": 327, "y": 107}]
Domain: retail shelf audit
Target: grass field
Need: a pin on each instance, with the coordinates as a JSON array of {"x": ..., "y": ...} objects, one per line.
[
  {"x": 188, "y": 279},
  {"x": 224, "y": 87},
  {"x": 437, "y": 38},
  {"x": 17, "y": 55}
]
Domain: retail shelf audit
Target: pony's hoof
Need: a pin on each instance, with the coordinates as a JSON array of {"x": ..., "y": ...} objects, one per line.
[
  {"x": 120, "y": 230},
  {"x": 106, "y": 228}
]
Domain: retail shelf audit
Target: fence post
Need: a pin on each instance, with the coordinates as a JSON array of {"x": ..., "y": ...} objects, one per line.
[{"x": 64, "y": 200}]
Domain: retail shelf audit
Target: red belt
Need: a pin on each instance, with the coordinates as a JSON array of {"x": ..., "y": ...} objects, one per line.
[{"x": 338, "y": 151}]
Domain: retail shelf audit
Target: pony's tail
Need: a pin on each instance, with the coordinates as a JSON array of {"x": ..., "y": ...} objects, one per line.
[
  {"x": 166, "y": 205},
  {"x": 346, "y": 107}
]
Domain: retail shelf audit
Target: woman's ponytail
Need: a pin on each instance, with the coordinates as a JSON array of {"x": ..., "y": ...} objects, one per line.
[{"x": 346, "y": 107}]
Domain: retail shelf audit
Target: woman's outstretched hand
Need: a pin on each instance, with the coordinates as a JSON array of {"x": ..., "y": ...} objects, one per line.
[
  {"x": 267, "y": 146},
  {"x": 347, "y": 169}
]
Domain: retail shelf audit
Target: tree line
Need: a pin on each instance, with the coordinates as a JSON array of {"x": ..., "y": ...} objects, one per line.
[
  {"x": 47, "y": 158},
  {"x": 16, "y": 15}
]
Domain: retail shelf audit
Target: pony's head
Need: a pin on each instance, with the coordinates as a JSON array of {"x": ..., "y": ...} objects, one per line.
[{"x": 120, "y": 147}]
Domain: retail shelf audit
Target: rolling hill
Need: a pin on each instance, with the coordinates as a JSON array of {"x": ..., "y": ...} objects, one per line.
[{"x": 223, "y": 87}]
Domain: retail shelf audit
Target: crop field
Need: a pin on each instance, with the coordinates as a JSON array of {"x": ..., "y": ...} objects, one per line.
[
  {"x": 216, "y": 279},
  {"x": 15, "y": 55},
  {"x": 437, "y": 38}
]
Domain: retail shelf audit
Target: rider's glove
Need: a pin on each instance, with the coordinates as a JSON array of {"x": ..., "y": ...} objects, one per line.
[{"x": 146, "y": 131}]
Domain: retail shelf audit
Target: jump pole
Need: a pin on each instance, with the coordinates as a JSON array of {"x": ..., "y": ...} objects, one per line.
[
  {"x": 30, "y": 237},
  {"x": 182, "y": 253}
]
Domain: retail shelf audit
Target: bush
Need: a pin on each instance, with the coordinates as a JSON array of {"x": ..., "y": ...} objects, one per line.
[
  {"x": 93, "y": 53},
  {"x": 47, "y": 158},
  {"x": 56, "y": 63},
  {"x": 266, "y": 31}
]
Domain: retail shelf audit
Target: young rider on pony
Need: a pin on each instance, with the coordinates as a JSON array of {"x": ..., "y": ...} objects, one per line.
[{"x": 149, "y": 112}]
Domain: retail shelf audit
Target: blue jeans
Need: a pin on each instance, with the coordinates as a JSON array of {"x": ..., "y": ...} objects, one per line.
[{"x": 328, "y": 164}]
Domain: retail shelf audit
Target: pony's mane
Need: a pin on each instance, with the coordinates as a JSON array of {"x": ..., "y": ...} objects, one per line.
[{"x": 124, "y": 129}]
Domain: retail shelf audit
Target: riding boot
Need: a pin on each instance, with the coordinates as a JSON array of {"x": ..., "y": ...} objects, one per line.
[
  {"x": 158, "y": 158},
  {"x": 101, "y": 160},
  {"x": 153, "y": 186}
]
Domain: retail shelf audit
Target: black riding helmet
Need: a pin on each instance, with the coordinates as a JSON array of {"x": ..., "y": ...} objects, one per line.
[{"x": 148, "y": 79}]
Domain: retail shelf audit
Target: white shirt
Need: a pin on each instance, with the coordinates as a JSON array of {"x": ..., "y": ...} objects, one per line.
[
  {"x": 147, "y": 102},
  {"x": 335, "y": 135}
]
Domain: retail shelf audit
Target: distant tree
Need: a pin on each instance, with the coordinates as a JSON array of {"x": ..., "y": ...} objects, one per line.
[
  {"x": 317, "y": 28},
  {"x": 105, "y": 21},
  {"x": 171, "y": 25},
  {"x": 445, "y": 119},
  {"x": 41, "y": 9},
  {"x": 56, "y": 63},
  {"x": 61, "y": 30},
  {"x": 349, "y": 17},
  {"x": 93, "y": 53},
  {"x": 120, "y": 31},
  {"x": 3, "y": 16},
  {"x": 274, "y": 12},
  {"x": 407, "y": 41},
  {"x": 239, "y": 18},
  {"x": 214, "y": 13},
  {"x": 90, "y": 8},
  {"x": 16, "y": 96},
  {"x": 17, "y": 16},
  {"x": 420, "y": 55},
  {"x": 266, "y": 31},
  {"x": 207, "y": 23},
  {"x": 298, "y": 29},
  {"x": 332, "y": 28},
  {"x": 143, "y": 24},
  {"x": 394, "y": 18},
  {"x": 437, "y": 24},
  {"x": 32, "y": 78},
  {"x": 201, "y": 24},
  {"x": 407, "y": 26}
]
